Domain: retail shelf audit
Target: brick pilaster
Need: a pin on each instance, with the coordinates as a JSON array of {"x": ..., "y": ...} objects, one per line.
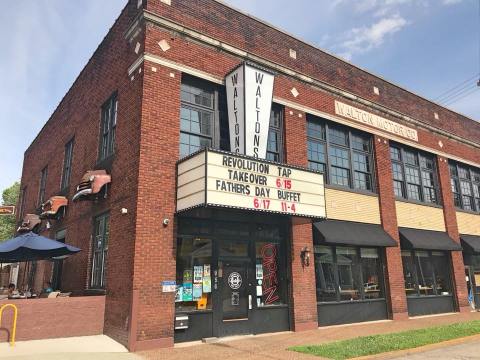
[
  {"x": 388, "y": 214},
  {"x": 303, "y": 298},
  {"x": 450, "y": 216}
]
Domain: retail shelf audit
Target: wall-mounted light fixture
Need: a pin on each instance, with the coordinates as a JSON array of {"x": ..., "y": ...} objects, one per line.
[{"x": 305, "y": 256}]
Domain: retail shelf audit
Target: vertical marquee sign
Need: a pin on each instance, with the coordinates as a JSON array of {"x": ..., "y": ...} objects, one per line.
[{"x": 249, "y": 100}]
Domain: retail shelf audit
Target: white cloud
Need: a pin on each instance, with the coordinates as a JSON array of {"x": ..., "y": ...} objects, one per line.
[{"x": 361, "y": 40}]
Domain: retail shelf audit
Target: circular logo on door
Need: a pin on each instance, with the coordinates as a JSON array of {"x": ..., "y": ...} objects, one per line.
[{"x": 234, "y": 280}]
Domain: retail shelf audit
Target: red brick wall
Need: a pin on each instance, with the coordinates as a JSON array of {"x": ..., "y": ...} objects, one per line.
[
  {"x": 450, "y": 216},
  {"x": 388, "y": 214},
  {"x": 303, "y": 299},
  {"x": 154, "y": 243},
  {"x": 54, "y": 318},
  {"x": 78, "y": 115},
  {"x": 231, "y": 27}
]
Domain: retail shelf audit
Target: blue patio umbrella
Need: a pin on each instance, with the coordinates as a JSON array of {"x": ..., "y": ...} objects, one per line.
[{"x": 30, "y": 246}]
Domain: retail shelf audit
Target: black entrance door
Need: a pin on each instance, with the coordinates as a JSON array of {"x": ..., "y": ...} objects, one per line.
[{"x": 235, "y": 301}]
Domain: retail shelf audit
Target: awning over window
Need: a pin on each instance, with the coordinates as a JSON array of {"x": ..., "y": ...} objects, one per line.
[
  {"x": 351, "y": 233},
  {"x": 427, "y": 240},
  {"x": 471, "y": 243}
]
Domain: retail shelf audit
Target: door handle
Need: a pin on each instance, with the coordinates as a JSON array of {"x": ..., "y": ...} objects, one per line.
[{"x": 249, "y": 302}]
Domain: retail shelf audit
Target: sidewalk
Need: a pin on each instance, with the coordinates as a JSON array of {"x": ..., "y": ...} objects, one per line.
[
  {"x": 273, "y": 346},
  {"x": 85, "y": 347}
]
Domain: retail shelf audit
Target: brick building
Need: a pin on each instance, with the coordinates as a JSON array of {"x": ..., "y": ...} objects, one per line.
[{"x": 327, "y": 195}]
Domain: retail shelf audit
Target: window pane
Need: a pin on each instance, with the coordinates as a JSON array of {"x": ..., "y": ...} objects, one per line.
[
  {"x": 412, "y": 175},
  {"x": 339, "y": 157},
  {"x": 348, "y": 274},
  {"x": 362, "y": 181},
  {"x": 316, "y": 151},
  {"x": 315, "y": 130},
  {"x": 361, "y": 162},
  {"x": 339, "y": 176},
  {"x": 413, "y": 192},
  {"x": 395, "y": 153},
  {"x": 442, "y": 273},
  {"x": 425, "y": 273},
  {"x": 397, "y": 170},
  {"x": 325, "y": 274},
  {"x": 426, "y": 162},
  {"x": 409, "y": 272},
  {"x": 463, "y": 173},
  {"x": 398, "y": 189},
  {"x": 372, "y": 273},
  {"x": 410, "y": 157},
  {"x": 360, "y": 142},
  {"x": 338, "y": 136},
  {"x": 193, "y": 279}
]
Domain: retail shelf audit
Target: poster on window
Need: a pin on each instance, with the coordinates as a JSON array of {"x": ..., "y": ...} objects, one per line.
[
  {"x": 197, "y": 292},
  {"x": 179, "y": 293},
  {"x": 206, "y": 270},
  {"x": 187, "y": 292},
  {"x": 207, "y": 284},
  {"x": 187, "y": 276},
  {"x": 259, "y": 272},
  {"x": 197, "y": 274}
]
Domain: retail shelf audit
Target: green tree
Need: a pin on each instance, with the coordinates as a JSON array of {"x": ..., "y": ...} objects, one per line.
[{"x": 7, "y": 222}]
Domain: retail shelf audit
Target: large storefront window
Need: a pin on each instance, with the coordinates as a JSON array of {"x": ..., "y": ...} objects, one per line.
[
  {"x": 426, "y": 273},
  {"x": 345, "y": 156},
  {"x": 348, "y": 273},
  {"x": 414, "y": 175},
  {"x": 194, "y": 285}
]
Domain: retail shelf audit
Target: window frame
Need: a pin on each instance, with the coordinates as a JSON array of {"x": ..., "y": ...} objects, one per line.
[
  {"x": 107, "y": 134},
  {"x": 214, "y": 111},
  {"x": 42, "y": 186},
  {"x": 67, "y": 164},
  {"x": 95, "y": 283},
  {"x": 358, "y": 263},
  {"x": 279, "y": 130},
  {"x": 434, "y": 275},
  {"x": 326, "y": 142},
  {"x": 419, "y": 169},
  {"x": 471, "y": 182}
]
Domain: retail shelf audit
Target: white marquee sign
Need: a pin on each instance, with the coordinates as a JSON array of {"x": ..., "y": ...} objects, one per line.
[
  {"x": 249, "y": 100},
  {"x": 216, "y": 178}
]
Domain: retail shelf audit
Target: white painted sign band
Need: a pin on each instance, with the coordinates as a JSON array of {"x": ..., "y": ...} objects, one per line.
[{"x": 376, "y": 121}]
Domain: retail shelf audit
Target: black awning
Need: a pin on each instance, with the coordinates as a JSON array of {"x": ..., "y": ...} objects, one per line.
[
  {"x": 427, "y": 240},
  {"x": 471, "y": 243},
  {"x": 352, "y": 233}
]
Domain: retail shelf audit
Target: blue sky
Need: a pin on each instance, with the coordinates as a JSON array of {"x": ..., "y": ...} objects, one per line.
[{"x": 426, "y": 46}]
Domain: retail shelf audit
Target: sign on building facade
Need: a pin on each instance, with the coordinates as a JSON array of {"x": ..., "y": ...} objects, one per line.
[
  {"x": 249, "y": 101},
  {"x": 375, "y": 121},
  {"x": 216, "y": 178}
]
